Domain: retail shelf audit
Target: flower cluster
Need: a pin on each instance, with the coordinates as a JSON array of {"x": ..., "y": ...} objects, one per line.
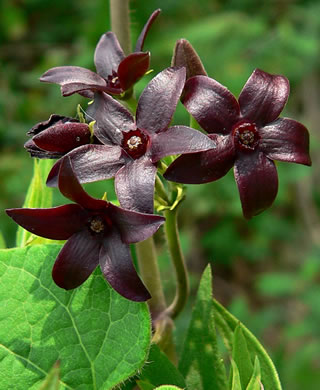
[{"x": 246, "y": 133}]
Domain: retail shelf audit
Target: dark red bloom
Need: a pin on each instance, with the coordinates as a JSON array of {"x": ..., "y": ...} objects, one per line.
[
  {"x": 56, "y": 136},
  {"x": 97, "y": 232},
  {"x": 185, "y": 55},
  {"x": 116, "y": 73},
  {"x": 132, "y": 146},
  {"x": 249, "y": 135}
]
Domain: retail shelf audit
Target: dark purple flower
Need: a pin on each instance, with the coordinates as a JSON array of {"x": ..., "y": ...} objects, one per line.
[
  {"x": 185, "y": 55},
  {"x": 57, "y": 136},
  {"x": 97, "y": 232},
  {"x": 249, "y": 135},
  {"x": 132, "y": 146},
  {"x": 116, "y": 73}
]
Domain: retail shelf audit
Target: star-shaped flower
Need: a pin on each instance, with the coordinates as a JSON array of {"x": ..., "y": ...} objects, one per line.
[
  {"x": 56, "y": 136},
  {"x": 97, "y": 232},
  {"x": 249, "y": 135},
  {"x": 116, "y": 72},
  {"x": 132, "y": 147}
]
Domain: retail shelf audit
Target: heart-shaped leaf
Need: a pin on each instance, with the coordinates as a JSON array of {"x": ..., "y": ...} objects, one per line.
[{"x": 99, "y": 337}]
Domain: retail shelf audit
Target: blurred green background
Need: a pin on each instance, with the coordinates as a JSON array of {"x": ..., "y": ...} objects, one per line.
[{"x": 267, "y": 270}]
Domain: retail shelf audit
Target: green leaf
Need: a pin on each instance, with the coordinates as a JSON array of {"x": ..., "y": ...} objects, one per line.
[
  {"x": 2, "y": 242},
  {"x": 255, "y": 381},
  {"x": 201, "y": 364},
  {"x": 241, "y": 356},
  {"x": 160, "y": 371},
  {"x": 226, "y": 324},
  {"x": 235, "y": 383},
  {"x": 144, "y": 385},
  {"x": 38, "y": 196},
  {"x": 99, "y": 337},
  {"x": 52, "y": 381}
]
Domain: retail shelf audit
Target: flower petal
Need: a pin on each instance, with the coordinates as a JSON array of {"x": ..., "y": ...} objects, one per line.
[
  {"x": 132, "y": 68},
  {"x": 146, "y": 28},
  {"x": 90, "y": 163},
  {"x": 57, "y": 223},
  {"x": 257, "y": 181},
  {"x": 76, "y": 77},
  {"x": 159, "y": 99},
  {"x": 34, "y": 151},
  {"x": 203, "y": 167},
  {"x": 185, "y": 55},
  {"x": 76, "y": 261},
  {"x": 63, "y": 137},
  {"x": 263, "y": 97},
  {"x": 111, "y": 119},
  {"x": 117, "y": 268},
  {"x": 54, "y": 119},
  {"x": 108, "y": 55},
  {"x": 134, "y": 226},
  {"x": 134, "y": 185},
  {"x": 211, "y": 104},
  {"x": 177, "y": 140},
  {"x": 285, "y": 140},
  {"x": 70, "y": 187},
  {"x": 82, "y": 89}
]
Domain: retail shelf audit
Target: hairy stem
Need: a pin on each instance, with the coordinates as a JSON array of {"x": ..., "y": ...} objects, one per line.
[
  {"x": 120, "y": 23},
  {"x": 182, "y": 289},
  {"x": 149, "y": 270}
]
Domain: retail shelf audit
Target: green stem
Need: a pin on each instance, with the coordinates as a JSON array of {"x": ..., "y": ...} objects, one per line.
[
  {"x": 120, "y": 23},
  {"x": 149, "y": 270},
  {"x": 160, "y": 190},
  {"x": 162, "y": 323},
  {"x": 182, "y": 289}
]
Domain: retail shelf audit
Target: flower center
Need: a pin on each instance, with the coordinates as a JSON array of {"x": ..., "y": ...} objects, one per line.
[
  {"x": 135, "y": 143},
  {"x": 246, "y": 136},
  {"x": 113, "y": 80},
  {"x": 97, "y": 224}
]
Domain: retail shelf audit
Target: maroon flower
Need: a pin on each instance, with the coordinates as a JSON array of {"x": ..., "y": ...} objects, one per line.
[
  {"x": 56, "y": 136},
  {"x": 185, "y": 55},
  {"x": 248, "y": 134},
  {"x": 116, "y": 73},
  {"x": 97, "y": 232},
  {"x": 132, "y": 147}
]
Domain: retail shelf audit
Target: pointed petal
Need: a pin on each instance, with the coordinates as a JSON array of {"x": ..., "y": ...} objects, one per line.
[
  {"x": 257, "y": 181},
  {"x": 90, "y": 163},
  {"x": 159, "y": 99},
  {"x": 133, "y": 226},
  {"x": 134, "y": 185},
  {"x": 108, "y": 55},
  {"x": 34, "y": 151},
  {"x": 111, "y": 119},
  {"x": 57, "y": 223},
  {"x": 185, "y": 55},
  {"x": 179, "y": 140},
  {"x": 132, "y": 68},
  {"x": 63, "y": 137},
  {"x": 76, "y": 77},
  {"x": 54, "y": 119},
  {"x": 87, "y": 90},
  {"x": 285, "y": 140},
  {"x": 146, "y": 28},
  {"x": 76, "y": 261},
  {"x": 211, "y": 104},
  {"x": 263, "y": 97},
  {"x": 70, "y": 187},
  {"x": 117, "y": 268},
  {"x": 203, "y": 167}
]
